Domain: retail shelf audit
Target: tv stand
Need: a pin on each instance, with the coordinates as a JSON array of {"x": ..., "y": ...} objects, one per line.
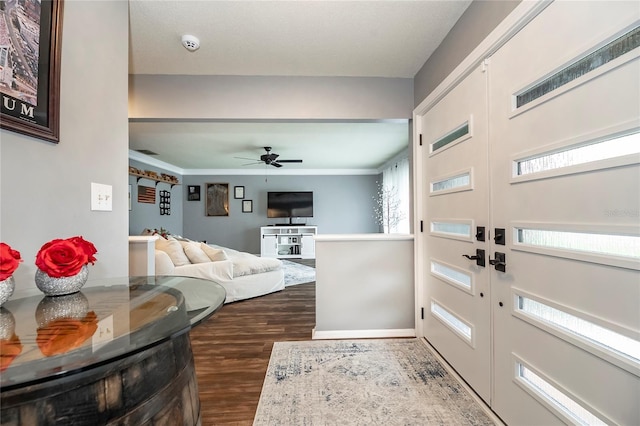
[{"x": 288, "y": 241}]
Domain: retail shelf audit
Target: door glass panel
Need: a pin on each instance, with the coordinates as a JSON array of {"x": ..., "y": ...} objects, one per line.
[
  {"x": 555, "y": 397},
  {"x": 451, "y": 320},
  {"x": 451, "y": 275},
  {"x": 450, "y": 137},
  {"x": 614, "y": 245},
  {"x": 624, "y": 145},
  {"x": 585, "y": 330},
  {"x": 582, "y": 66},
  {"x": 459, "y": 181},
  {"x": 459, "y": 229}
]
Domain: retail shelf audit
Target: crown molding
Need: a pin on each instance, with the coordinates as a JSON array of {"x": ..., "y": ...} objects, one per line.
[{"x": 271, "y": 171}]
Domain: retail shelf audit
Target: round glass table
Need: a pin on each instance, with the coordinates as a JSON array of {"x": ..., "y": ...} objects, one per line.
[{"x": 118, "y": 351}]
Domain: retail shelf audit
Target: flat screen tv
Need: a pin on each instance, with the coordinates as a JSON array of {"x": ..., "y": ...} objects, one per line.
[{"x": 290, "y": 204}]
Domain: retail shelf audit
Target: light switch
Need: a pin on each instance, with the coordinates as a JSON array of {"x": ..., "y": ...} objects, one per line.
[
  {"x": 101, "y": 197},
  {"x": 104, "y": 333}
]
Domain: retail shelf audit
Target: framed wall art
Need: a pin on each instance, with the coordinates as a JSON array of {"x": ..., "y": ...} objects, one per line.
[
  {"x": 217, "y": 201},
  {"x": 193, "y": 193},
  {"x": 30, "y": 68},
  {"x": 146, "y": 194},
  {"x": 247, "y": 206},
  {"x": 165, "y": 202},
  {"x": 238, "y": 192}
]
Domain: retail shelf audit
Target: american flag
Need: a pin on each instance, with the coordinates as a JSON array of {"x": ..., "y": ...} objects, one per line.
[{"x": 146, "y": 194}]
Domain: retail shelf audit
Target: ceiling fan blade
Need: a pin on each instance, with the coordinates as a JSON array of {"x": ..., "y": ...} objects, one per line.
[
  {"x": 290, "y": 161},
  {"x": 251, "y": 164},
  {"x": 245, "y": 158},
  {"x": 273, "y": 163}
]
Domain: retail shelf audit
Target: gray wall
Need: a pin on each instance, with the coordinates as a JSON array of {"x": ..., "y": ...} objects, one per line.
[
  {"x": 286, "y": 98},
  {"x": 342, "y": 204},
  {"x": 144, "y": 215},
  {"x": 45, "y": 188},
  {"x": 475, "y": 24}
]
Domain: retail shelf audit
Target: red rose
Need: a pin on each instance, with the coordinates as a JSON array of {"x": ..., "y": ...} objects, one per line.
[
  {"x": 61, "y": 258},
  {"x": 87, "y": 246},
  {"x": 9, "y": 260}
]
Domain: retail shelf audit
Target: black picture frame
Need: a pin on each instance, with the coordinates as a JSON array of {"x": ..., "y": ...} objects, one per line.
[
  {"x": 238, "y": 192},
  {"x": 247, "y": 206},
  {"x": 193, "y": 193},
  {"x": 165, "y": 202},
  {"x": 217, "y": 203},
  {"x": 23, "y": 110}
]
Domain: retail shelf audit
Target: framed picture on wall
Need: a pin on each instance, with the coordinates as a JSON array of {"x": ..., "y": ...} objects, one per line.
[
  {"x": 217, "y": 202},
  {"x": 30, "y": 88},
  {"x": 247, "y": 206},
  {"x": 238, "y": 192},
  {"x": 193, "y": 193}
]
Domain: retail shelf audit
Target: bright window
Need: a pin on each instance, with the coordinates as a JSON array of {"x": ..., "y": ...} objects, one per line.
[
  {"x": 576, "y": 326},
  {"x": 555, "y": 397},
  {"x": 614, "y": 245},
  {"x": 451, "y": 320},
  {"x": 603, "y": 150}
]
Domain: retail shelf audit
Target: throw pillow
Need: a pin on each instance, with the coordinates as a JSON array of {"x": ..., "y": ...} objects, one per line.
[
  {"x": 173, "y": 248},
  {"x": 194, "y": 252},
  {"x": 214, "y": 253}
]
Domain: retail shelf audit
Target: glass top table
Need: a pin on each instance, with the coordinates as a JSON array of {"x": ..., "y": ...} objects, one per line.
[{"x": 44, "y": 338}]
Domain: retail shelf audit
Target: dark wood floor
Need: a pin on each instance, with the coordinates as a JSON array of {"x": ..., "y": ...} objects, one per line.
[{"x": 232, "y": 349}]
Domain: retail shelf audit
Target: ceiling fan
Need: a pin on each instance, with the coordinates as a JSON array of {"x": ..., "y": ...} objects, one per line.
[{"x": 270, "y": 159}]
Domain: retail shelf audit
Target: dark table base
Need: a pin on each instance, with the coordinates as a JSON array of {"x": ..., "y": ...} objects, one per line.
[{"x": 153, "y": 387}]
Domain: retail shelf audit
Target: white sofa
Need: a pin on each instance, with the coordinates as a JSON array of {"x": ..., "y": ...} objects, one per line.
[{"x": 243, "y": 275}]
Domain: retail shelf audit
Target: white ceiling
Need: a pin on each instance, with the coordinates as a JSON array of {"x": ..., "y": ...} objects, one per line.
[{"x": 283, "y": 38}]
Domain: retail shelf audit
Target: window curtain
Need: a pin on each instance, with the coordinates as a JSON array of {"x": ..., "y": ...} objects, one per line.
[{"x": 395, "y": 180}]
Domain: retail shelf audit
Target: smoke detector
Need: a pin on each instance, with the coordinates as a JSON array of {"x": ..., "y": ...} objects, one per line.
[{"x": 191, "y": 43}]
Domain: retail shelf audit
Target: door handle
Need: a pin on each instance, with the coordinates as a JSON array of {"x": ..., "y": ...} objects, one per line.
[
  {"x": 500, "y": 262},
  {"x": 479, "y": 257}
]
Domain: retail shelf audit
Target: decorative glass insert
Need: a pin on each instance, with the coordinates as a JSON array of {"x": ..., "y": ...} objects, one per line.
[
  {"x": 451, "y": 183},
  {"x": 449, "y": 274},
  {"x": 450, "y": 137},
  {"x": 585, "y": 330},
  {"x": 555, "y": 397},
  {"x": 613, "y": 245},
  {"x": 451, "y": 320},
  {"x": 612, "y": 148},
  {"x": 600, "y": 57},
  {"x": 459, "y": 229}
]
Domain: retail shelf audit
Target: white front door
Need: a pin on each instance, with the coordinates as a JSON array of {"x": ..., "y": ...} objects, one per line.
[
  {"x": 457, "y": 298},
  {"x": 565, "y": 183}
]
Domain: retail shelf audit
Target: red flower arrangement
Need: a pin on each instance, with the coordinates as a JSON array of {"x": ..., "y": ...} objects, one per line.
[
  {"x": 65, "y": 258},
  {"x": 9, "y": 260}
]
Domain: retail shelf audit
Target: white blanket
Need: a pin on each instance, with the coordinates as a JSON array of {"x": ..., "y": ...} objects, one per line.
[{"x": 248, "y": 264}]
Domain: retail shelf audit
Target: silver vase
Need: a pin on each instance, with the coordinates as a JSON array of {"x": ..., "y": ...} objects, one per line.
[
  {"x": 52, "y": 286},
  {"x": 6, "y": 289},
  {"x": 71, "y": 307},
  {"x": 7, "y": 324}
]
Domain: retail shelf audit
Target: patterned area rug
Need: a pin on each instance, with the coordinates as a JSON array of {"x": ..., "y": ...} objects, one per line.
[
  {"x": 362, "y": 382},
  {"x": 295, "y": 273}
]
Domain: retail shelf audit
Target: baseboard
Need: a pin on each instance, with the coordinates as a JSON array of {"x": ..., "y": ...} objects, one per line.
[{"x": 362, "y": 334}]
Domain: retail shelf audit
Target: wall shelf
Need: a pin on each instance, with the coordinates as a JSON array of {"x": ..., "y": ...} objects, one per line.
[{"x": 157, "y": 180}]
